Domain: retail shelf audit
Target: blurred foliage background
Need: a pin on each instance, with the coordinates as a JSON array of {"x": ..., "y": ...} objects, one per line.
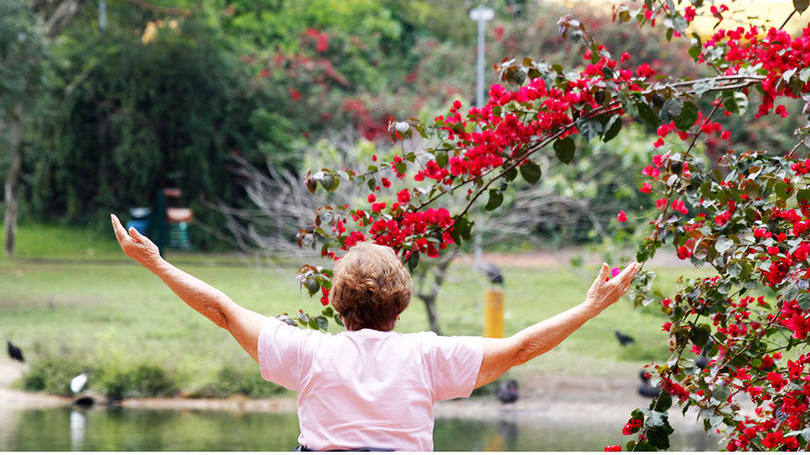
[{"x": 168, "y": 93}]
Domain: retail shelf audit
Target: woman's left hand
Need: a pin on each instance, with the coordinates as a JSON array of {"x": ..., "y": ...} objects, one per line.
[
  {"x": 605, "y": 291},
  {"x": 136, "y": 245}
]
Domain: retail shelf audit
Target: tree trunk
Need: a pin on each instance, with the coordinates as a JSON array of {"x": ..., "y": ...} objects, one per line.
[
  {"x": 13, "y": 178},
  {"x": 439, "y": 269},
  {"x": 433, "y": 317}
]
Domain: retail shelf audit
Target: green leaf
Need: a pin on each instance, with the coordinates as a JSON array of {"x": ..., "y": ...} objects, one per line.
[
  {"x": 689, "y": 114},
  {"x": 531, "y": 172},
  {"x": 589, "y": 129},
  {"x": 804, "y": 75},
  {"x": 702, "y": 86},
  {"x": 462, "y": 229},
  {"x": 564, "y": 149},
  {"x": 723, "y": 244},
  {"x": 658, "y": 437},
  {"x": 721, "y": 393},
  {"x": 614, "y": 125},
  {"x": 672, "y": 109},
  {"x": 654, "y": 418},
  {"x": 728, "y": 101},
  {"x": 696, "y": 48},
  {"x": 805, "y": 433},
  {"x": 322, "y": 322},
  {"x": 790, "y": 292},
  {"x": 801, "y": 5},
  {"x": 700, "y": 335},
  {"x": 413, "y": 261},
  {"x": 328, "y": 312},
  {"x": 781, "y": 189},
  {"x": 329, "y": 182},
  {"x": 646, "y": 113},
  {"x": 804, "y": 300},
  {"x": 741, "y": 100},
  {"x": 664, "y": 402},
  {"x": 511, "y": 174},
  {"x": 441, "y": 158},
  {"x": 495, "y": 199},
  {"x": 643, "y": 446}
]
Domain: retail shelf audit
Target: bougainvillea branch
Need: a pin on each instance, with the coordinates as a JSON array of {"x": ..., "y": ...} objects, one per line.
[{"x": 738, "y": 337}]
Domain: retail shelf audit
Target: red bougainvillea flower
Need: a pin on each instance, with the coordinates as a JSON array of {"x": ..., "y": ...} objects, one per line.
[
  {"x": 622, "y": 217},
  {"x": 645, "y": 188},
  {"x": 632, "y": 426},
  {"x": 689, "y": 14},
  {"x": 615, "y": 448}
]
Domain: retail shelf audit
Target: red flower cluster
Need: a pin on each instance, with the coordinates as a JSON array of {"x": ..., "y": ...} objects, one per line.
[
  {"x": 779, "y": 55},
  {"x": 321, "y": 39},
  {"x": 632, "y": 426}
]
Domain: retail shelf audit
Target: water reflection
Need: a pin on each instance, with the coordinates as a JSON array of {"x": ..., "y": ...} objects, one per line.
[
  {"x": 117, "y": 429},
  {"x": 77, "y": 421},
  {"x": 505, "y": 439}
]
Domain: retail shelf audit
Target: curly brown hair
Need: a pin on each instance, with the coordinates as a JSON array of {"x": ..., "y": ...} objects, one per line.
[{"x": 370, "y": 287}]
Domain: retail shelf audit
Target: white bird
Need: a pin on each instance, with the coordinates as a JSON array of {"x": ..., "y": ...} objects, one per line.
[{"x": 78, "y": 383}]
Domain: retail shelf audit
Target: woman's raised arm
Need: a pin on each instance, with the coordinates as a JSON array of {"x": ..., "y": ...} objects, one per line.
[
  {"x": 501, "y": 354},
  {"x": 212, "y": 303}
]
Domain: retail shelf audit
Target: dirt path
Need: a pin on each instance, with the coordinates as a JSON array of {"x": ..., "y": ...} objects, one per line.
[{"x": 10, "y": 371}]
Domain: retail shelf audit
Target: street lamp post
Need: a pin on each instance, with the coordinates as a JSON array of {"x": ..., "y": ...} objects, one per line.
[
  {"x": 481, "y": 14},
  {"x": 102, "y": 15}
]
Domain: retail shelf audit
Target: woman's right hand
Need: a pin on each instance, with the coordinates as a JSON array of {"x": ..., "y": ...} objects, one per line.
[
  {"x": 605, "y": 291},
  {"x": 136, "y": 245}
]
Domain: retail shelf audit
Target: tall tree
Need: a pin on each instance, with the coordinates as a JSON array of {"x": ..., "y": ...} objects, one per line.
[
  {"x": 24, "y": 28},
  {"x": 21, "y": 55}
]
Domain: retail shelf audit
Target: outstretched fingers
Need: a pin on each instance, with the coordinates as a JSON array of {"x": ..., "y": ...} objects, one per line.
[
  {"x": 626, "y": 277},
  {"x": 604, "y": 273},
  {"x": 136, "y": 235},
  {"x": 118, "y": 228}
]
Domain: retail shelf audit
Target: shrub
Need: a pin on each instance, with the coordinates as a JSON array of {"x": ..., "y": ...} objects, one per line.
[
  {"x": 231, "y": 381},
  {"x": 52, "y": 375},
  {"x": 152, "y": 381}
]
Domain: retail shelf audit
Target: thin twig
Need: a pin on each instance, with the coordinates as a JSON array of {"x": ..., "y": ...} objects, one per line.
[{"x": 788, "y": 19}]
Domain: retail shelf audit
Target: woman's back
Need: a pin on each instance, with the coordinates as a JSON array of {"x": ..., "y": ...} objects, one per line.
[{"x": 368, "y": 388}]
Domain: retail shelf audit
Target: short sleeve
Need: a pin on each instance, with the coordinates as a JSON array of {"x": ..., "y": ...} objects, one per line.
[
  {"x": 285, "y": 352},
  {"x": 453, "y": 364}
]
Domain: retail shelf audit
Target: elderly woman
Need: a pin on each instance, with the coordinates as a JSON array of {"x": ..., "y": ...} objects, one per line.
[{"x": 371, "y": 388}]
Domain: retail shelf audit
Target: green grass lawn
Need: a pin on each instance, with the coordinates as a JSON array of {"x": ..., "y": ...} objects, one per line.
[{"x": 118, "y": 314}]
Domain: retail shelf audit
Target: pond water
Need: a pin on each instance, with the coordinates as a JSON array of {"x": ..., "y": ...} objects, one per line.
[{"x": 119, "y": 429}]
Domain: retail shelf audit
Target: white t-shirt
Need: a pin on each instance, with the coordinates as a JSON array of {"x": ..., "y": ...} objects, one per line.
[{"x": 368, "y": 388}]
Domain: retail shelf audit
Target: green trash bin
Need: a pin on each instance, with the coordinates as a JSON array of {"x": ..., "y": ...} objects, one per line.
[{"x": 178, "y": 236}]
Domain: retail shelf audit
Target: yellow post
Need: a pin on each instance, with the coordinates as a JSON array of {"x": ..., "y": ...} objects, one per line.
[{"x": 493, "y": 313}]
